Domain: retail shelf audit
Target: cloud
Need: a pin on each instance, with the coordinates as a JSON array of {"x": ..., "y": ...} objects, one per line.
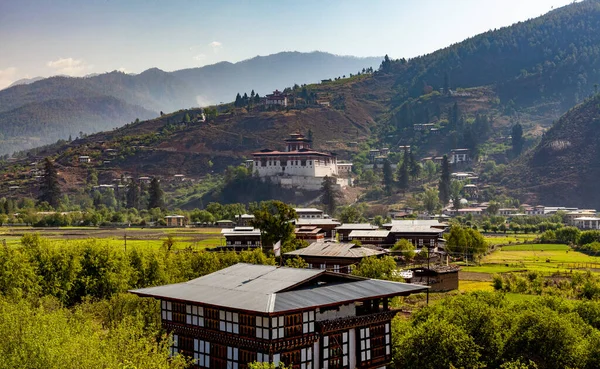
[
  {"x": 199, "y": 57},
  {"x": 69, "y": 66},
  {"x": 216, "y": 45},
  {"x": 7, "y": 76}
]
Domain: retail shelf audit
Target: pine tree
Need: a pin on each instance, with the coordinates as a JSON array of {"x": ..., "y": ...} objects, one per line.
[
  {"x": 187, "y": 118},
  {"x": 49, "y": 189},
  {"x": 310, "y": 136},
  {"x": 156, "y": 197},
  {"x": 415, "y": 168},
  {"x": 388, "y": 177},
  {"x": 238, "y": 101},
  {"x": 330, "y": 194},
  {"x": 446, "y": 83},
  {"x": 403, "y": 171},
  {"x": 444, "y": 186},
  {"x": 133, "y": 195}
]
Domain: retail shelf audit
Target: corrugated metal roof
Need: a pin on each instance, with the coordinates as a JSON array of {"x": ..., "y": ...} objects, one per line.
[
  {"x": 316, "y": 221},
  {"x": 415, "y": 229},
  {"x": 255, "y": 288},
  {"x": 335, "y": 249},
  {"x": 357, "y": 226},
  {"x": 415, "y": 222},
  {"x": 377, "y": 233}
]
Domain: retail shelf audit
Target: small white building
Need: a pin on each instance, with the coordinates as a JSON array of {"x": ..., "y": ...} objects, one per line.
[
  {"x": 587, "y": 223},
  {"x": 459, "y": 156},
  {"x": 175, "y": 220},
  {"x": 85, "y": 159},
  {"x": 309, "y": 213}
]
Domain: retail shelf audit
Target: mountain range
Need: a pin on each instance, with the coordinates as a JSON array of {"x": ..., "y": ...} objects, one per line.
[{"x": 37, "y": 112}]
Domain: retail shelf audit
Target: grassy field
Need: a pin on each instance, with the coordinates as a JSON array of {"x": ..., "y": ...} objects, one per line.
[
  {"x": 542, "y": 257},
  {"x": 197, "y": 238},
  {"x": 506, "y": 239},
  {"x": 470, "y": 286}
]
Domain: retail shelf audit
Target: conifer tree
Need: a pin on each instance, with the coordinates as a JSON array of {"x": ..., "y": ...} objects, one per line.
[
  {"x": 49, "y": 189},
  {"x": 403, "y": 171},
  {"x": 330, "y": 194},
  {"x": 444, "y": 186},
  {"x": 388, "y": 177},
  {"x": 156, "y": 196},
  {"x": 133, "y": 195}
]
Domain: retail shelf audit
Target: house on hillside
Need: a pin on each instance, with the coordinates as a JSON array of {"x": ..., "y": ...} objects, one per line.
[
  {"x": 85, "y": 159},
  {"x": 277, "y": 98},
  {"x": 302, "y": 317},
  {"x": 458, "y": 156},
  {"x": 241, "y": 238},
  {"x": 339, "y": 257}
]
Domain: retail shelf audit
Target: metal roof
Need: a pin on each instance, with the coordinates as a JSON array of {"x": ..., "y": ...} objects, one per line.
[
  {"x": 415, "y": 229},
  {"x": 416, "y": 222},
  {"x": 335, "y": 249},
  {"x": 357, "y": 226},
  {"x": 257, "y": 288},
  {"x": 308, "y": 210},
  {"x": 376, "y": 233},
  {"x": 316, "y": 221}
]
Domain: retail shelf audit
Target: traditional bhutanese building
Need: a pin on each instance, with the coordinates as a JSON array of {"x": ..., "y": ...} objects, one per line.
[
  {"x": 276, "y": 98},
  {"x": 299, "y": 166},
  {"x": 304, "y": 318}
]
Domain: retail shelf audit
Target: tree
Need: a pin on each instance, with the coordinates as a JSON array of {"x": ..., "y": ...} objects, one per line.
[
  {"x": 310, "y": 136},
  {"x": 330, "y": 194},
  {"x": 415, "y": 167},
  {"x": 493, "y": 208},
  {"x": 296, "y": 262},
  {"x": 455, "y": 190},
  {"x": 351, "y": 214},
  {"x": 187, "y": 118},
  {"x": 517, "y": 139},
  {"x": 385, "y": 66},
  {"x": 49, "y": 188},
  {"x": 403, "y": 180},
  {"x": 238, "y": 101},
  {"x": 431, "y": 200},
  {"x": 377, "y": 268},
  {"x": 156, "y": 195},
  {"x": 133, "y": 195},
  {"x": 446, "y": 83},
  {"x": 388, "y": 177},
  {"x": 406, "y": 247},
  {"x": 444, "y": 185},
  {"x": 430, "y": 169},
  {"x": 273, "y": 218}
]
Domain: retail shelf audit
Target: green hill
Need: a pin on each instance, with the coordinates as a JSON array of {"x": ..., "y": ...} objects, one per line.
[{"x": 564, "y": 168}]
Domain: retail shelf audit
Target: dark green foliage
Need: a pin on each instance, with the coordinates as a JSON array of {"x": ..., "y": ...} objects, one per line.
[
  {"x": 155, "y": 195},
  {"x": 517, "y": 139},
  {"x": 388, "y": 177},
  {"x": 133, "y": 195},
  {"x": 444, "y": 185},
  {"x": 50, "y": 189},
  {"x": 330, "y": 194},
  {"x": 273, "y": 219}
]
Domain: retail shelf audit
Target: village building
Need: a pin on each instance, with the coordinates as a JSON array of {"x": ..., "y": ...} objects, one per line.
[
  {"x": 85, "y": 159},
  {"x": 298, "y": 166},
  {"x": 345, "y": 229},
  {"x": 309, "y": 234},
  {"x": 241, "y": 238},
  {"x": 337, "y": 257},
  {"x": 423, "y": 126},
  {"x": 244, "y": 220},
  {"x": 587, "y": 223},
  {"x": 145, "y": 179},
  {"x": 421, "y": 233},
  {"x": 508, "y": 211},
  {"x": 225, "y": 223},
  {"x": 582, "y": 213},
  {"x": 307, "y": 318},
  {"x": 277, "y": 98},
  {"x": 344, "y": 169},
  {"x": 403, "y": 148},
  {"x": 175, "y": 221},
  {"x": 535, "y": 210},
  {"x": 309, "y": 213},
  {"x": 470, "y": 189},
  {"x": 378, "y": 237},
  {"x": 458, "y": 156},
  {"x": 439, "y": 278},
  {"x": 328, "y": 226}
]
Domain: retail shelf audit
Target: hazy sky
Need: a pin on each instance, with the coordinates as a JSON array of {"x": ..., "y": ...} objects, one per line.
[{"x": 79, "y": 37}]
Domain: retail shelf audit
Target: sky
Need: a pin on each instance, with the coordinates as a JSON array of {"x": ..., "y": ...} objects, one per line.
[{"x": 77, "y": 38}]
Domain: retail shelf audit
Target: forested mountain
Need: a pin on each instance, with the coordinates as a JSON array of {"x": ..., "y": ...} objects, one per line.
[
  {"x": 564, "y": 168},
  {"x": 153, "y": 90},
  {"x": 48, "y": 121},
  {"x": 555, "y": 56}
]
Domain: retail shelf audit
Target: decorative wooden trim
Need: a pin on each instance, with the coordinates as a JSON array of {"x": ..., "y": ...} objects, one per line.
[
  {"x": 223, "y": 338},
  {"x": 327, "y": 326}
]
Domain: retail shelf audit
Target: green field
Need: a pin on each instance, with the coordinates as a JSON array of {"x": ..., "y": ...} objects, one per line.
[
  {"x": 544, "y": 258},
  {"x": 507, "y": 239},
  {"x": 196, "y": 238}
]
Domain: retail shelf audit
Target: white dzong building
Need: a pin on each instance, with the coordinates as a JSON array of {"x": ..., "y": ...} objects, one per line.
[{"x": 299, "y": 166}]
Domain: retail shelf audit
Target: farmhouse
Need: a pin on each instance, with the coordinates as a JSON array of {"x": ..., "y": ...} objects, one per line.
[
  {"x": 305, "y": 317},
  {"x": 439, "y": 278},
  {"x": 327, "y": 225},
  {"x": 345, "y": 229},
  {"x": 241, "y": 237},
  {"x": 459, "y": 156},
  {"x": 375, "y": 237},
  {"x": 333, "y": 256},
  {"x": 277, "y": 98},
  {"x": 85, "y": 159},
  {"x": 309, "y": 234},
  {"x": 298, "y": 166},
  {"x": 175, "y": 220}
]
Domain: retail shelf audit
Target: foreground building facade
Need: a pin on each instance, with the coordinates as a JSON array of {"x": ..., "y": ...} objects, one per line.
[{"x": 307, "y": 319}]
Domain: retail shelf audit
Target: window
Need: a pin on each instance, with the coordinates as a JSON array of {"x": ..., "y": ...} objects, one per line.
[
  {"x": 229, "y": 322},
  {"x": 323, "y": 266},
  {"x": 306, "y": 358},
  {"x": 175, "y": 346},
  {"x": 262, "y": 358},
  {"x": 365, "y": 344},
  {"x": 249, "y": 242},
  {"x": 262, "y": 327},
  {"x": 277, "y": 326},
  {"x": 335, "y": 351},
  {"x": 173, "y": 311},
  {"x": 167, "y": 310},
  {"x": 336, "y": 268},
  {"x": 308, "y": 322},
  {"x": 421, "y": 242},
  {"x": 232, "y": 357},
  {"x": 194, "y": 315},
  {"x": 309, "y": 266},
  {"x": 202, "y": 353}
]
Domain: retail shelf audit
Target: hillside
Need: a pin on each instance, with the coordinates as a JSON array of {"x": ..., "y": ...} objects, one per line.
[
  {"x": 155, "y": 90},
  {"x": 563, "y": 169},
  {"x": 51, "y": 120}
]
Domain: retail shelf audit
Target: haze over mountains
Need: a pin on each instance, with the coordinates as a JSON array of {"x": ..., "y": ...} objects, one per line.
[{"x": 40, "y": 112}]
